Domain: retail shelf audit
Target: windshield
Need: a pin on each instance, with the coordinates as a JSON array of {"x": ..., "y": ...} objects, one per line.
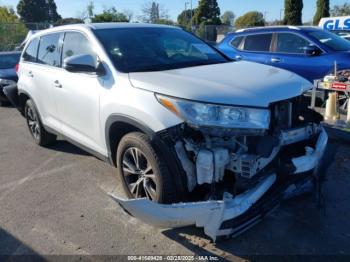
[
  {"x": 9, "y": 61},
  {"x": 331, "y": 40},
  {"x": 156, "y": 49}
]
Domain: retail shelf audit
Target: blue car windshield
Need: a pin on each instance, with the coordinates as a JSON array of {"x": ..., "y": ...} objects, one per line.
[
  {"x": 156, "y": 49},
  {"x": 331, "y": 40},
  {"x": 9, "y": 61}
]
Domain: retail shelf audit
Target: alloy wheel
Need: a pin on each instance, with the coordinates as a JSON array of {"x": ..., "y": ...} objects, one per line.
[
  {"x": 138, "y": 174},
  {"x": 33, "y": 122}
]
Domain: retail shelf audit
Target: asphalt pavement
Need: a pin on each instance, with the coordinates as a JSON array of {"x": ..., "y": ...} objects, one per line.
[{"x": 54, "y": 201}]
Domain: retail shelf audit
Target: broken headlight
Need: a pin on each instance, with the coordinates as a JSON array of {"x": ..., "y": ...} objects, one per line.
[{"x": 203, "y": 114}]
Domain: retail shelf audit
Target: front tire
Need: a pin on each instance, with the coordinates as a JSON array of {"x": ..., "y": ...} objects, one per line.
[
  {"x": 143, "y": 171},
  {"x": 36, "y": 129}
]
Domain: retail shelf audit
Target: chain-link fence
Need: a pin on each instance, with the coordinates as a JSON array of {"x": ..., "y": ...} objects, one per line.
[{"x": 13, "y": 34}]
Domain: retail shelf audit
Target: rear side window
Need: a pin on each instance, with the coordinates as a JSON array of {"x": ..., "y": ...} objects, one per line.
[
  {"x": 290, "y": 43},
  {"x": 31, "y": 51},
  {"x": 237, "y": 41},
  {"x": 76, "y": 44},
  {"x": 48, "y": 50},
  {"x": 260, "y": 42}
]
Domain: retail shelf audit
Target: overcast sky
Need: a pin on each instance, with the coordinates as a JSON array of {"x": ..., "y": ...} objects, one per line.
[{"x": 72, "y": 8}]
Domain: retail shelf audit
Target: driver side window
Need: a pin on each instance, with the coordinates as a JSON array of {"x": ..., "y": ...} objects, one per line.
[
  {"x": 290, "y": 43},
  {"x": 76, "y": 44}
]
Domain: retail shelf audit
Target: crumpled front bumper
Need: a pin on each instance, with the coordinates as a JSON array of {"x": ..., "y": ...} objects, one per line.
[{"x": 226, "y": 217}]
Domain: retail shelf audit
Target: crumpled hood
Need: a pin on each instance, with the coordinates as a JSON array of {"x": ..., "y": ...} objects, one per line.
[{"x": 236, "y": 83}]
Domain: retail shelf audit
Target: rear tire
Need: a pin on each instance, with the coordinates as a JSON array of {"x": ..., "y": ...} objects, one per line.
[
  {"x": 36, "y": 128},
  {"x": 143, "y": 171}
]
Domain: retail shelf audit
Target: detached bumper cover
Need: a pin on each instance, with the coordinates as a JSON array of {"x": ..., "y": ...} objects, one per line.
[
  {"x": 209, "y": 214},
  {"x": 232, "y": 215}
]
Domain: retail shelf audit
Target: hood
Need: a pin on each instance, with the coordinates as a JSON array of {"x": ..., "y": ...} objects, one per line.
[
  {"x": 236, "y": 83},
  {"x": 9, "y": 74}
]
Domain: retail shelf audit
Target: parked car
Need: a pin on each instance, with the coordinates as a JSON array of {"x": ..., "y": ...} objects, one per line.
[
  {"x": 179, "y": 120},
  {"x": 308, "y": 51},
  {"x": 343, "y": 34},
  {"x": 8, "y": 75}
]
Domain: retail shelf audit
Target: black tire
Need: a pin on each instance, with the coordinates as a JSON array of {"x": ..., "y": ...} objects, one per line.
[
  {"x": 36, "y": 129},
  {"x": 164, "y": 189}
]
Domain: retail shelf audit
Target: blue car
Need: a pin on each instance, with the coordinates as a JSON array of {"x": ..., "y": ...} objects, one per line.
[
  {"x": 8, "y": 75},
  {"x": 307, "y": 51}
]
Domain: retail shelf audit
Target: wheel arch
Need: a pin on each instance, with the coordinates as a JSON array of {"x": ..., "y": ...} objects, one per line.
[{"x": 119, "y": 125}]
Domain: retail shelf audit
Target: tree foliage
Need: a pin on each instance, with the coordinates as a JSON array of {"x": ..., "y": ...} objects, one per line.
[
  {"x": 250, "y": 19},
  {"x": 12, "y": 30},
  {"x": 7, "y": 15},
  {"x": 109, "y": 15},
  {"x": 38, "y": 11},
  {"x": 293, "y": 12},
  {"x": 69, "y": 20},
  {"x": 322, "y": 11},
  {"x": 228, "y": 18},
  {"x": 208, "y": 11},
  {"x": 184, "y": 19},
  {"x": 341, "y": 10}
]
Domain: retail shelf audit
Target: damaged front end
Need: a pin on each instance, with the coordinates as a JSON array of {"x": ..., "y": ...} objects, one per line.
[{"x": 236, "y": 176}]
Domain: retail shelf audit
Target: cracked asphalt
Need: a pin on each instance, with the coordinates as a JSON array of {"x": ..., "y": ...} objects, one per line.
[{"x": 53, "y": 201}]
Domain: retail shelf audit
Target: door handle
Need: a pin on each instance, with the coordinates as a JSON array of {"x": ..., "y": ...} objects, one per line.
[
  {"x": 238, "y": 57},
  {"x": 30, "y": 74},
  {"x": 275, "y": 60},
  {"x": 57, "y": 84}
]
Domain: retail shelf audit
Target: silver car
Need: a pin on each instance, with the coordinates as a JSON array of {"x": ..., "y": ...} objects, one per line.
[{"x": 197, "y": 139}]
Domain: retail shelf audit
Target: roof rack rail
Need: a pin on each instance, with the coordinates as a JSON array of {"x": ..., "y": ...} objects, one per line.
[{"x": 268, "y": 27}]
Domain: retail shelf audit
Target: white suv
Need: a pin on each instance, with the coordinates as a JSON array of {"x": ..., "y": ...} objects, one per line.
[{"x": 179, "y": 120}]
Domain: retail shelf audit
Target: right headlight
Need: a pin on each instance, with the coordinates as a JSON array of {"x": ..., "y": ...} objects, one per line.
[{"x": 204, "y": 114}]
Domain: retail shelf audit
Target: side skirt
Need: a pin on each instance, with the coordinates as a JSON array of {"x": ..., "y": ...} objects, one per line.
[{"x": 82, "y": 147}]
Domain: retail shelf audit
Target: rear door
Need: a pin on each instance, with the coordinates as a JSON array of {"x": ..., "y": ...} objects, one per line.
[
  {"x": 256, "y": 48},
  {"x": 78, "y": 96},
  {"x": 48, "y": 65},
  {"x": 288, "y": 53}
]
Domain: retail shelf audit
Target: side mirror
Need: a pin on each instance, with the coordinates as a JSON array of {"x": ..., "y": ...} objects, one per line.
[
  {"x": 312, "y": 50},
  {"x": 83, "y": 64}
]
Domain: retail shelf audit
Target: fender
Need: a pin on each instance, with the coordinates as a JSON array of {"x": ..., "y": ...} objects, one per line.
[
  {"x": 123, "y": 119},
  {"x": 157, "y": 138}
]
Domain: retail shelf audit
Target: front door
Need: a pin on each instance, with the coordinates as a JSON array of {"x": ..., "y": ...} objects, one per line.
[{"x": 77, "y": 96}]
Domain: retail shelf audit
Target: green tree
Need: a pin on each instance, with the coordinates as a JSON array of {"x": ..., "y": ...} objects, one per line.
[
  {"x": 184, "y": 19},
  {"x": 52, "y": 15},
  {"x": 322, "y": 11},
  {"x": 109, "y": 15},
  {"x": 208, "y": 11},
  {"x": 250, "y": 19},
  {"x": 7, "y": 15},
  {"x": 69, "y": 20},
  {"x": 32, "y": 11},
  {"x": 228, "y": 18},
  {"x": 163, "y": 21},
  {"x": 12, "y": 30},
  {"x": 341, "y": 10},
  {"x": 38, "y": 11},
  {"x": 293, "y": 12}
]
